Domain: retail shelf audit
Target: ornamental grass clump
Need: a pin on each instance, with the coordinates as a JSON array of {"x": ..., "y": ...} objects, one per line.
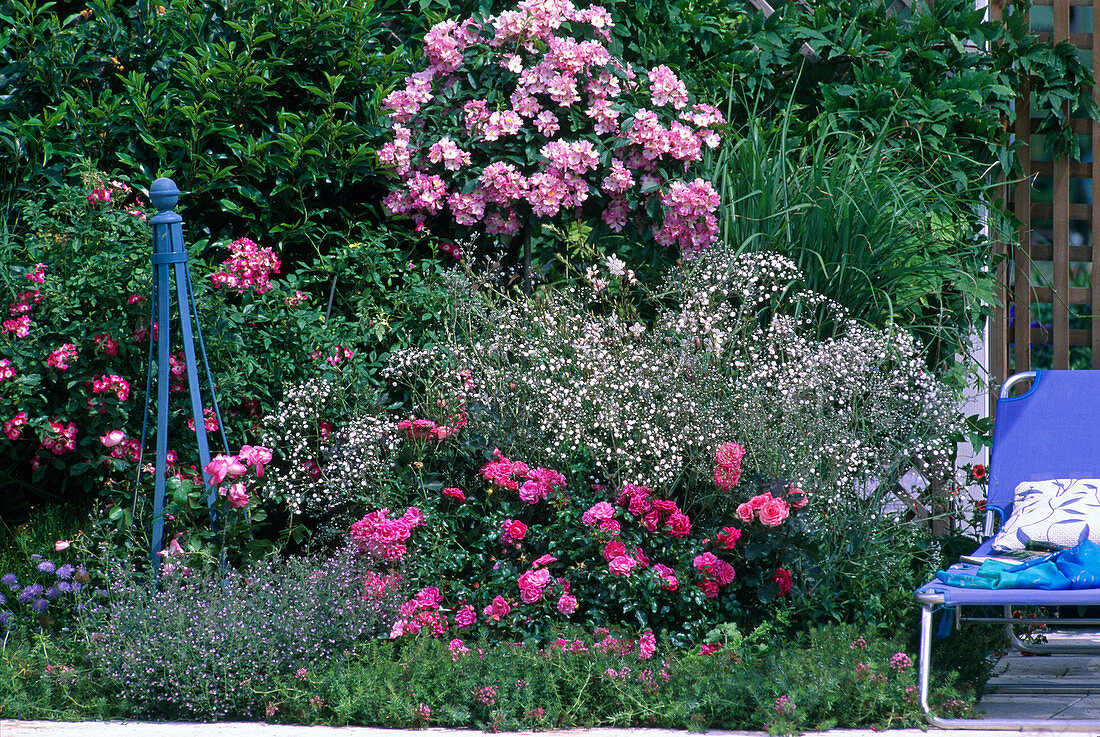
[{"x": 211, "y": 646}]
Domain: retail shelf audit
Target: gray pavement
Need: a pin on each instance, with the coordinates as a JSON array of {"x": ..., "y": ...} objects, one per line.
[{"x": 1002, "y": 702}]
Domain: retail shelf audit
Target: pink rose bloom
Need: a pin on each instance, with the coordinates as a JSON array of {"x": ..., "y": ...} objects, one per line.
[
  {"x": 726, "y": 477},
  {"x": 727, "y": 537},
  {"x": 567, "y": 604},
  {"x": 237, "y": 496},
  {"x": 533, "y": 491},
  {"x": 413, "y": 517},
  {"x": 217, "y": 468},
  {"x": 234, "y": 468},
  {"x": 723, "y": 573},
  {"x": 622, "y": 566},
  {"x": 710, "y": 588},
  {"x": 729, "y": 454},
  {"x": 745, "y": 512},
  {"x": 783, "y": 579},
  {"x": 705, "y": 562},
  {"x": 613, "y": 550},
  {"x": 641, "y": 558},
  {"x": 113, "y": 438},
  {"x": 709, "y": 649},
  {"x": 465, "y": 617},
  {"x": 497, "y": 610},
  {"x": 667, "y": 577},
  {"x": 61, "y": 545},
  {"x": 512, "y": 532},
  {"x": 543, "y": 560},
  {"x": 597, "y": 513},
  {"x": 647, "y": 646},
  {"x": 796, "y": 497},
  {"x": 429, "y": 598},
  {"x": 665, "y": 506},
  {"x": 759, "y": 500},
  {"x": 774, "y": 512},
  {"x": 679, "y": 525},
  {"x": 258, "y": 456},
  {"x": 454, "y": 493},
  {"x": 652, "y": 520},
  {"x": 610, "y": 526}
]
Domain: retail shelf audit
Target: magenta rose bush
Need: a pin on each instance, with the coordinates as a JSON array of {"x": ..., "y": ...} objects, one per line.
[
  {"x": 74, "y": 342},
  {"x": 520, "y": 551},
  {"x": 525, "y": 119}
]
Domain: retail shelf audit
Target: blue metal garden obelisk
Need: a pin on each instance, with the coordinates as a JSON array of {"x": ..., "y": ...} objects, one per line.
[{"x": 170, "y": 259}]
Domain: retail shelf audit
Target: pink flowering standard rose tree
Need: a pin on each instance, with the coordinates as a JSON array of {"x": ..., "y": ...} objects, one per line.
[{"x": 525, "y": 118}]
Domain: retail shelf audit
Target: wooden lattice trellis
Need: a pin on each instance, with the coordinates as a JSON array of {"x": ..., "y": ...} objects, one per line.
[{"x": 1059, "y": 231}]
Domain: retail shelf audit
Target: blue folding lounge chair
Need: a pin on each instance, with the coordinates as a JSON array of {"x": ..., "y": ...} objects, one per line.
[{"x": 1050, "y": 432}]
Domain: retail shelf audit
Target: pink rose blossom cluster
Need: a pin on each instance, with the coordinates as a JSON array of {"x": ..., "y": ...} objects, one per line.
[
  {"x": 125, "y": 449},
  {"x": 111, "y": 384},
  {"x": 421, "y": 613},
  {"x": 424, "y": 429},
  {"x": 498, "y": 609},
  {"x": 666, "y": 577},
  {"x": 689, "y": 217},
  {"x": 21, "y": 326},
  {"x": 383, "y": 537},
  {"x": 532, "y": 57},
  {"x": 533, "y": 484},
  {"x": 209, "y": 421},
  {"x": 6, "y": 371},
  {"x": 621, "y": 563},
  {"x": 249, "y": 268},
  {"x": 105, "y": 344},
  {"x": 60, "y": 438},
  {"x": 177, "y": 373},
  {"x": 655, "y": 514},
  {"x": 60, "y": 357},
  {"x": 714, "y": 572},
  {"x": 771, "y": 510},
  {"x": 25, "y": 302},
  {"x": 226, "y": 467},
  {"x": 38, "y": 274},
  {"x": 13, "y": 428},
  {"x": 531, "y": 584},
  {"x": 727, "y": 469}
]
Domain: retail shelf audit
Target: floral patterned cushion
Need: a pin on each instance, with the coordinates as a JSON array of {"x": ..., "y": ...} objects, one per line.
[{"x": 1058, "y": 513}]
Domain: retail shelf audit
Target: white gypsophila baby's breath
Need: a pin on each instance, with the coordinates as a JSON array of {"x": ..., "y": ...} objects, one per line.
[
  {"x": 352, "y": 458},
  {"x": 740, "y": 356}
]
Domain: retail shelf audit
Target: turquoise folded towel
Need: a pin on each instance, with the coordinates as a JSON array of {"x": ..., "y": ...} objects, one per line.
[{"x": 1073, "y": 568}]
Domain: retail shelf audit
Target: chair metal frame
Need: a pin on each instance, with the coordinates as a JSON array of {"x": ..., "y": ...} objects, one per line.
[{"x": 929, "y": 599}]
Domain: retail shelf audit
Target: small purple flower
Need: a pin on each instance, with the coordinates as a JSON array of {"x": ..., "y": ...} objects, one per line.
[
  {"x": 36, "y": 556},
  {"x": 64, "y": 587},
  {"x": 47, "y": 566},
  {"x": 65, "y": 572},
  {"x": 10, "y": 580},
  {"x": 5, "y": 617},
  {"x": 26, "y": 596},
  {"x": 53, "y": 592},
  {"x": 3, "y": 600},
  {"x": 35, "y": 589},
  {"x": 40, "y": 605},
  {"x": 77, "y": 586}
]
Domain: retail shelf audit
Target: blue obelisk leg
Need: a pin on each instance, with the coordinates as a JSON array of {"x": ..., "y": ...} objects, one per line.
[{"x": 163, "y": 336}]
